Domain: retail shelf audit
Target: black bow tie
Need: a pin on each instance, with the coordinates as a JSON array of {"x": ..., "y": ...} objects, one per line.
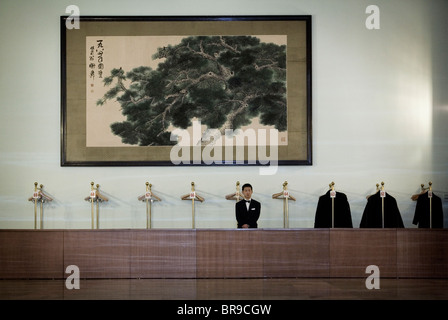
[{"x": 248, "y": 201}]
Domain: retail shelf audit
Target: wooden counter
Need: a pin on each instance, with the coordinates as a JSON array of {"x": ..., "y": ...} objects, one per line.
[{"x": 224, "y": 253}]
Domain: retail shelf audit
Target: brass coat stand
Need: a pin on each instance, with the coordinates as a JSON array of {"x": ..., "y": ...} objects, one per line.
[
  {"x": 332, "y": 196},
  {"x": 430, "y": 204},
  {"x": 285, "y": 196},
  {"x": 429, "y": 191},
  {"x": 236, "y": 195},
  {"x": 382, "y": 195},
  {"x": 39, "y": 196},
  {"x": 95, "y": 196},
  {"x": 192, "y": 196},
  {"x": 148, "y": 197}
]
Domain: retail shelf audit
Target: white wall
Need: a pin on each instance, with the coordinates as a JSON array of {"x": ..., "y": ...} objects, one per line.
[{"x": 380, "y": 108}]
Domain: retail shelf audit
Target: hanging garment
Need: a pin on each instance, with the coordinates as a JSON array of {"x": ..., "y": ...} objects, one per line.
[
  {"x": 342, "y": 214},
  {"x": 372, "y": 216},
  {"x": 422, "y": 213}
]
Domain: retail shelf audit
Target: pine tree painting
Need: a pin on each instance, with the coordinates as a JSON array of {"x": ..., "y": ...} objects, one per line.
[{"x": 223, "y": 81}]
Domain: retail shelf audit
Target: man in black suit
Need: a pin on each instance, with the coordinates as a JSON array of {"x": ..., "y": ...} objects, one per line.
[{"x": 247, "y": 210}]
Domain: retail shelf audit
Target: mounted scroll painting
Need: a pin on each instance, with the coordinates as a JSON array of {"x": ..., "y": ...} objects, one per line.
[{"x": 186, "y": 91}]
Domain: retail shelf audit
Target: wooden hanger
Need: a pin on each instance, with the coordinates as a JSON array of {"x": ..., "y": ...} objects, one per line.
[
  {"x": 95, "y": 194},
  {"x": 284, "y": 194},
  {"x": 377, "y": 189},
  {"x": 192, "y": 195},
  {"x": 39, "y": 194},
  {"x": 424, "y": 190},
  {"x": 148, "y": 195}
]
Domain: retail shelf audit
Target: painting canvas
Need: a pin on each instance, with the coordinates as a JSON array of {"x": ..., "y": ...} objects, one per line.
[{"x": 134, "y": 88}]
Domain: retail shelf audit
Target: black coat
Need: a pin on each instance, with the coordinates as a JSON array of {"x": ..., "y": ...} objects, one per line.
[
  {"x": 342, "y": 214},
  {"x": 422, "y": 213},
  {"x": 244, "y": 216},
  {"x": 372, "y": 216}
]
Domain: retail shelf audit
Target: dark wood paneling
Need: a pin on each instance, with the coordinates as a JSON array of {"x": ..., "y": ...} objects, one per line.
[
  {"x": 353, "y": 250},
  {"x": 260, "y": 291},
  {"x": 296, "y": 253},
  {"x": 99, "y": 253},
  {"x": 31, "y": 254},
  {"x": 422, "y": 253},
  {"x": 163, "y": 254},
  {"x": 34, "y": 289},
  {"x": 204, "y": 253},
  {"x": 229, "y": 253}
]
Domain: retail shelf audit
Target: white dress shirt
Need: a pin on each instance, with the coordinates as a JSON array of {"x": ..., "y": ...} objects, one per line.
[{"x": 247, "y": 203}]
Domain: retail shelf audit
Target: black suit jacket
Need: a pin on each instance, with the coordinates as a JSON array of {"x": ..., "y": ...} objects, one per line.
[
  {"x": 372, "y": 216},
  {"x": 421, "y": 216},
  {"x": 244, "y": 216},
  {"x": 342, "y": 213}
]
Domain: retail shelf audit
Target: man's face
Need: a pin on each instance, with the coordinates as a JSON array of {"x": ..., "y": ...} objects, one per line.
[{"x": 247, "y": 192}]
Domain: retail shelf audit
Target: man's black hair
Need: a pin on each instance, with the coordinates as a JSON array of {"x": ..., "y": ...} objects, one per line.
[{"x": 247, "y": 185}]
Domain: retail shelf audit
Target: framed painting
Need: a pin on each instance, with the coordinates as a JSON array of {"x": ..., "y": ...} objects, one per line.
[{"x": 186, "y": 90}]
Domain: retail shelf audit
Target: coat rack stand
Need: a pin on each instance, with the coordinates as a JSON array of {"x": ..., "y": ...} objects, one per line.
[
  {"x": 332, "y": 196},
  {"x": 285, "y": 195},
  {"x": 39, "y": 196},
  {"x": 236, "y": 195},
  {"x": 429, "y": 191},
  {"x": 192, "y": 196},
  {"x": 430, "y": 204},
  {"x": 148, "y": 197},
  {"x": 382, "y": 195},
  {"x": 95, "y": 197}
]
